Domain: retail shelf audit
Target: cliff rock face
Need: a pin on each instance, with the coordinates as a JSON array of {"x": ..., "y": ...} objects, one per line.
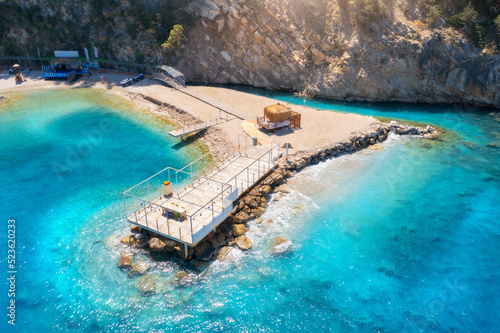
[
  {"x": 318, "y": 48},
  {"x": 328, "y": 48}
]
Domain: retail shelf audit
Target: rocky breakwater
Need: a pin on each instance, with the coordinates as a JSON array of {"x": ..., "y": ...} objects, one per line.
[{"x": 230, "y": 234}]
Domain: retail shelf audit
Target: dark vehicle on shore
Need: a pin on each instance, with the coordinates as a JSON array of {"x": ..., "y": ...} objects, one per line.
[{"x": 138, "y": 77}]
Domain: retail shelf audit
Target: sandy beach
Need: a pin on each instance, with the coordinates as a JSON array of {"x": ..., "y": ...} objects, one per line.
[{"x": 319, "y": 129}]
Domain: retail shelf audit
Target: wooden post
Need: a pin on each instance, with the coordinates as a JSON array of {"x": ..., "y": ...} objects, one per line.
[{"x": 185, "y": 251}]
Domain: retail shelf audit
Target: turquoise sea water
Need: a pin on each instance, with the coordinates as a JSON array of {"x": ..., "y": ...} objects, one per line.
[{"x": 403, "y": 239}]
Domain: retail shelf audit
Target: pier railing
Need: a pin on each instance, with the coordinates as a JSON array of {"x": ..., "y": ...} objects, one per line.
[{"x": 145, "y": 204}]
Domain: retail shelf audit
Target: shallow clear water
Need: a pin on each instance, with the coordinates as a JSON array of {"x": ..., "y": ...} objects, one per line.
[{"x": 404, "y": 239}]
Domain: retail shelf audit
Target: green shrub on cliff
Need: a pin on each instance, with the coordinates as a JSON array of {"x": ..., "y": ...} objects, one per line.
[
  {"x": 468, "y": 21},
  {"x": 370, "y": 11},
  {"x": 175, "y": 39},
  {"x": 497, "y": 25}
]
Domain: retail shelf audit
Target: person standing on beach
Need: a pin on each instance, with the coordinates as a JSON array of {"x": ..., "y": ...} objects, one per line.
[{"x": 102, "y": 79}]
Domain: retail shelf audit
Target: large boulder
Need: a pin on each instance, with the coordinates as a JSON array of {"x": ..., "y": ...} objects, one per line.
[
  {"x": 221, "y": 239},
  {"x": 146, "y": 284},
  {"x": 142, "y": 242},
  {"x": 258, "y": 212},
  {"x": 135, "y": 229},
  {"x": 275, "y": 179},
  {"x": 284, "y": 188},
  {"x": 157, "y": 245},
  {"x": 264, "y": 189},
  {"x": 280, "y": 246},
  {"x": 241, "y": 217},
  {"x": 140, "y": 268},
  {"x": 299, "y": 163},
  {"x": 126, "y": 260},
  {"x": 238, "y": 230},
  {"x": 250, "y": 202},
  {"x": 243, "y": 243},
  {"x": 223, "y": 254},
  {"x": 129, "y": 240},
  {"x": 204, "y": 251},
  {"x": 169, "y": 245}
]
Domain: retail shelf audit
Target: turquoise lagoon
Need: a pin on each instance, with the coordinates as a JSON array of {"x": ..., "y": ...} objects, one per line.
[{"x": 403, "y": 239}]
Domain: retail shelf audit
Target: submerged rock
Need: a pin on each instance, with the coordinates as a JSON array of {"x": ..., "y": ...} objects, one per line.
[
  {"x": 140, "y": 268},
  {"x": 126, "y": 260},
  {"x": 298, "y": 208},
  {"x": 183, "y": 279},
  {"x": 280, "y": 246},
  {"x": 146, "y": 284},
  {"x": 112, "y": 242},
  {"x": 376, "y": 146},
  {"x": 243, "y": 243}
]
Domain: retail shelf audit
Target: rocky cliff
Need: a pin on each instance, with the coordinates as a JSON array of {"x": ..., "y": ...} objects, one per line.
[
  {"x": 319, "y": 48},
  {"x": 377, "y": 50}
]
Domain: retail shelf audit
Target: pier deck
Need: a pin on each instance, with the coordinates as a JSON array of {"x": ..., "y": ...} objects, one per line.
[{"x": 202, "y": 199}]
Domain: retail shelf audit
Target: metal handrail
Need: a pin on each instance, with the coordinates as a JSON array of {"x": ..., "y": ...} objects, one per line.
[{"x": 256, "y": 161}]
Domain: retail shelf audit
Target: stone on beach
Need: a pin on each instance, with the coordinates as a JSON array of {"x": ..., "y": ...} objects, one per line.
[{"x": 243, "y": 243}]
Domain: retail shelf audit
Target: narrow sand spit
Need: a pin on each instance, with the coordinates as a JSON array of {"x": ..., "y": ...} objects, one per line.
[{"x": 319, "y": 129}]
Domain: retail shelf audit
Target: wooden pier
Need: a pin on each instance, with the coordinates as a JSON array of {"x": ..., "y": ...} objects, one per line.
[{"x": 203, "y": 191}]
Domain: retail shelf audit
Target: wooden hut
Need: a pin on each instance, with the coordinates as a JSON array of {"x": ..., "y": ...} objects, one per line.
[{"x": 278, "y": 116}]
